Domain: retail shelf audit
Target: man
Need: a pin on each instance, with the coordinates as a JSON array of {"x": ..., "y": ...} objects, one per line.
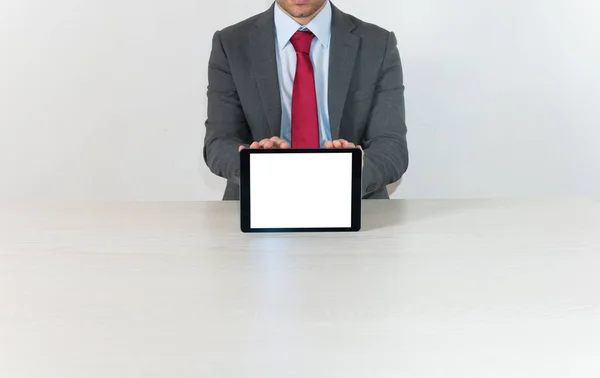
[{"x": 304, "y": 74}]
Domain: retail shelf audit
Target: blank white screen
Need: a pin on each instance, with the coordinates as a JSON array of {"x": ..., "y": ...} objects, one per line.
[{"x": 301, "y": 190}]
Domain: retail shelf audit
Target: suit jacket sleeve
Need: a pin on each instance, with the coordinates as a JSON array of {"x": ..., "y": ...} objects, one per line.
[
  {"x": 226, "y": 126},
  {"x": 384, "y": 143}
]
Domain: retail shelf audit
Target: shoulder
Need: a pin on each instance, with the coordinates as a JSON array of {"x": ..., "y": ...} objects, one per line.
[
  {"x": 370, "y": 32},
  {"x": 239, "y": 29}
]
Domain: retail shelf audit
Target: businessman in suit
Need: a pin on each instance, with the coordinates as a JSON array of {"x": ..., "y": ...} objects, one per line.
[{"x": 304, "y": 74}]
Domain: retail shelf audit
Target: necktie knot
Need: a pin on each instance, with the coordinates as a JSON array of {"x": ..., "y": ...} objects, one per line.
[{"x": 302, "y": 40}]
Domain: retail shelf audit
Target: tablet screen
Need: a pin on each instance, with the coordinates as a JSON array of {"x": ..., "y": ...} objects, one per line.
[{"x": 300, "y": 190}]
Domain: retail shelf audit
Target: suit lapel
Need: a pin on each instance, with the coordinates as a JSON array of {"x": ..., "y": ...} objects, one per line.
[
  {"x": 264, "y": 68},
  {"x": 343, "y": 49}
]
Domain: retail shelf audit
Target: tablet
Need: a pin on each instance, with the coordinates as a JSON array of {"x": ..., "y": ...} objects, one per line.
[{"x": 300, "y": 190}]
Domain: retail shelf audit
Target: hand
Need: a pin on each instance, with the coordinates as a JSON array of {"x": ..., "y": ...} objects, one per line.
[
  {"x": 342, "y": 143},
  {"x": 274, "y": 142}
]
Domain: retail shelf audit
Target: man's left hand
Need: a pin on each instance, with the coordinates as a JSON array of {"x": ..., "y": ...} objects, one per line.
[{"x": 342, "y": 143}]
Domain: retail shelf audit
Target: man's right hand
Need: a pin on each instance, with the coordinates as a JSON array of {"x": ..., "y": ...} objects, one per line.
[{"x": 274, "y": 142}]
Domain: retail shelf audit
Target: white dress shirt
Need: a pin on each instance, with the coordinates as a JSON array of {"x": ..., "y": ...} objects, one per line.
[{"x": 285, "y": 27}]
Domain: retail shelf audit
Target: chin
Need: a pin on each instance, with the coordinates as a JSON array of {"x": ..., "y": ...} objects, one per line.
[
  {"x": 300, "y": 14},
  {"x": 300, "y": 11}
]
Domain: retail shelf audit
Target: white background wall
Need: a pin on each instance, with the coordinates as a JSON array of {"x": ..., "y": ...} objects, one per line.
[{"x": 106, "y": 100}]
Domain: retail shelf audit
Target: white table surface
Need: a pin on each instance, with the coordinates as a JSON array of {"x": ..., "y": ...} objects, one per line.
[{"x": 474, "y": 288}]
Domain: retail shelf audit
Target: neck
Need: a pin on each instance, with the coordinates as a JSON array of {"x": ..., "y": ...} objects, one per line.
[{"x": 305, "y": 20}]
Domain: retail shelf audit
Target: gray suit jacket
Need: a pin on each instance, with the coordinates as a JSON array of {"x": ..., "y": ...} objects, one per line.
[{"x": 366, "y": 97}]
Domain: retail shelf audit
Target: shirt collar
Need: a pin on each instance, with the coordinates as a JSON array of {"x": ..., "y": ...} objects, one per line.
[{"x": 320, "y": 26}]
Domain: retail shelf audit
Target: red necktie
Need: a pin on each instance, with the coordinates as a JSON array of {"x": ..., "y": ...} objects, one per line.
[{"x": 305, "y": 116}]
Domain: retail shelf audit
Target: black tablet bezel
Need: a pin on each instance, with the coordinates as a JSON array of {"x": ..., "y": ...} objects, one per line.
[{"x": 245, "y": 189}]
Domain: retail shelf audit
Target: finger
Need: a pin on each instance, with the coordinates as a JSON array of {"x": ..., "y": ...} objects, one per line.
[
  {"x": 337, "y": 144},
  {"x": 279, "y": 143},
  {"x": 347, "y": 144},
  {"x": 328, "y": 144},
  {"x": 266, "y": 143},
  {"x": 255, "y": 145},
  {"x": 241, "y": 148}
]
